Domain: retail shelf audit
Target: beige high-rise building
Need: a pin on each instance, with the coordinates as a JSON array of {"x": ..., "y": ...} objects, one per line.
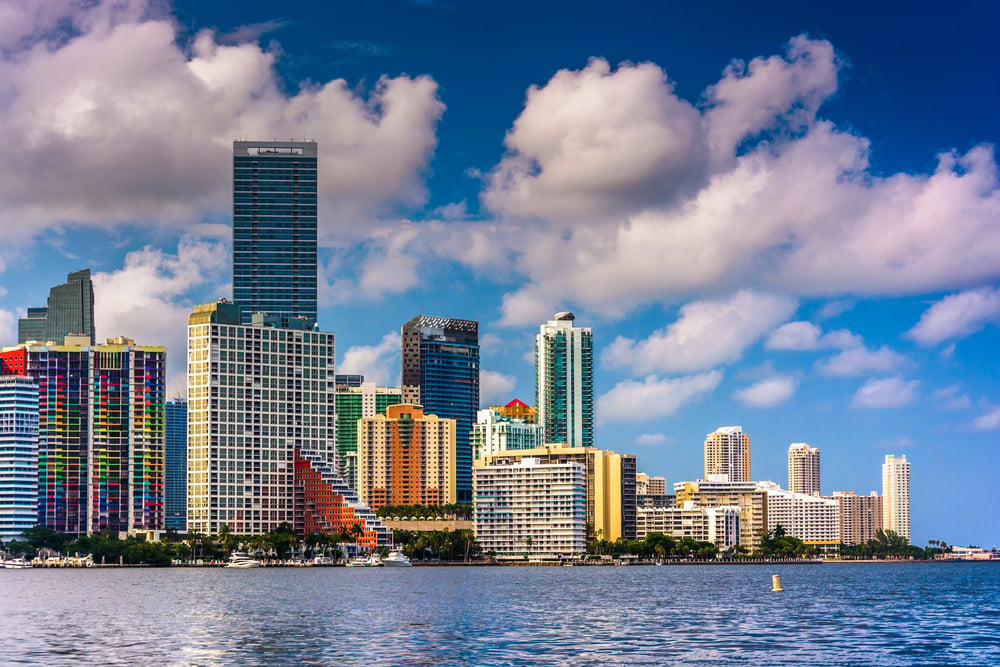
[
  {"x": 750, "y": 497},
  {"x": 812, "y": 519},
  {"x": 896, "y": 495},
  {"x": 803, "y": 469},
  {"x": 727, "y": 452},
  {"x": 406, "y": 458},
  {"x": 860, "y": 516},
  {"x": 610, "y": 483}
]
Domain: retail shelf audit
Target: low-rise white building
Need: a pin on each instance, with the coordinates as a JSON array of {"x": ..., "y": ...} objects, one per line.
[
  {"x": 530, "y": 507},
  {"x": 813, "y": 519},
  {"x": 719, "y": 525}
]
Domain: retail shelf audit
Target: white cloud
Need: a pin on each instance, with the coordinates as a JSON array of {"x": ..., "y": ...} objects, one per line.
[
  {"x": 806, "y": 336},
  {"x": 654, "y": 397},
  {"x": 8, "y": 328},
  {"x": 832, "y": 309},
  {"x": 651, "y": 440},
  {"x": 769, "y": 392},
  {"x": 378, "y": 363},
  {"x": 495, "y": 388},
  {"x": 957, "y": 316},
  {"x": 142, "y": 120},
  {"x": 706, "y": 334},
  {"x": 949, "y": 398},
  {"x": 149, "y": 298},
  {"x": 794, "y": 210},
  {"x": 859, "y": 360},
  {"x": 596, "y": 141},
  {"x": 893, "y": 392},
  {"x": 989, "y": 421}
]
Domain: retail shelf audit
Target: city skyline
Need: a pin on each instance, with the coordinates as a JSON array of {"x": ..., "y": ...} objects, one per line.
[{"x": 831, "y": 318}]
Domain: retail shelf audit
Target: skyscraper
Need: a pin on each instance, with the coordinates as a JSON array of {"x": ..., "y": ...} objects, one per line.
[
  {"x": 18, "y": 455},
  {"x": 441, "y": 374},
  {"x": 70, "y": 311},
  {"x": 803, "y": 469},
  {"x": 175, "y": 465},
  {"x": 274, "y": 228},
  {"x": 101, "y": 435},
  {"x": 355, "y": 399},
  {"x": 896, "y": 495},
  {"x": 727, "y": 452},
  {"x": 564, "y": 381}
]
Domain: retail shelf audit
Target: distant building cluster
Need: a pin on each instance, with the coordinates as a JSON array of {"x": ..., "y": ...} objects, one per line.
[{"x": 269, "y": 435}]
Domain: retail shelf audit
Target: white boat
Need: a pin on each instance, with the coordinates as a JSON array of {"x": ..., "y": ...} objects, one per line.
[
  {"x": 17, "y": 564},
  {"x": 242, "y": 561},
  {"x": 360, "y": 561},
  {"x": 323, "y": 560},
  {"x": 397, "y": 559}
]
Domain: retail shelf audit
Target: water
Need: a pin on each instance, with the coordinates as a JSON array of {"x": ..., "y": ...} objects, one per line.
[{"x": 833, "y": 614}]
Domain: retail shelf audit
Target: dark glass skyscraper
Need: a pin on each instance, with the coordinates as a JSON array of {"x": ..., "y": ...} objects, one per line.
[
  {"x": 274, "y": 228},
  {"x": 175, "y": 465},
  {"x": 70, "y": 310},
  {"x": 441, "y": 373}
]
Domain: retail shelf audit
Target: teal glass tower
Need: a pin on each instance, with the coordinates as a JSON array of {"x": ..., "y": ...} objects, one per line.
[
  {"x": 274, "y": 228},
  {"x": 441, "y": 373},
  {"x": 564, "y": 381},
  {"x": 175, "y": 465},
  {"x": 70, "y": 310}
]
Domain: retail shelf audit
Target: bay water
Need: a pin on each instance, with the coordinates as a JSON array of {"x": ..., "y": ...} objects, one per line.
[{"x": 830, "y": 614}]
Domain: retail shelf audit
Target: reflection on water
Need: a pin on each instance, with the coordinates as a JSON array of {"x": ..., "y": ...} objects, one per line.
[{"x": 862, "y": 614}]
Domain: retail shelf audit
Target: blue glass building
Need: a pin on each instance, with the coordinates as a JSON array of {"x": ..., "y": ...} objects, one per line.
[
  {"x": 70, "y": 310},
  {"x": 274, "y": 228},
  {"x": 441, "y": 373},
  {"x": 175, "y": 465}
]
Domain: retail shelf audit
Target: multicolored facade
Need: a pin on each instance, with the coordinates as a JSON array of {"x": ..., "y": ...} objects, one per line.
[
  {"x": 101, "y": 435},
  {"x": 406, "y": 457},
  {"x": 325, "y": 504},
  {"x": 518, "y": 409}
]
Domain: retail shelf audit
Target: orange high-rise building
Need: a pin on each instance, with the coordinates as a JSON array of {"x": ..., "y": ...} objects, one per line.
[{"x": 406, "y": 458}]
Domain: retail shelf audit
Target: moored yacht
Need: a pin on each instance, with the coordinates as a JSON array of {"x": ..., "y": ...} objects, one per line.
[
  {"x": 397, "y": 559},
  {"x": 240, "y": 560},
  {"x": 17, "y": 564}
]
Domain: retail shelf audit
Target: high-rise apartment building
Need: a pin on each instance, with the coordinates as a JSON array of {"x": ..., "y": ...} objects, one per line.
[
  {"x": 727, "y": 452},
  {"x": 803, "y": 469},
  {"x": 175, "y": 465},
  {"x": 609, "y": 479},
  {"x": 406, "y": 457},
  {"x": 493, "y": 433},
  {"x": 527, "y": 506},
  {"x": 70, "y": 312},
  {"x": 564, "y": 381},
  {"x": 18, "y": 455},
  {"x": 356, "y": 401},
  {"x": 718, "y": 525},
  {"x": 860, "y": 516},
  {"x": 896, "y": 495},
  {"x": 441, "y": 374},
  {"x": 274, "y": 229},
  {"x": 101, "y": 434}
]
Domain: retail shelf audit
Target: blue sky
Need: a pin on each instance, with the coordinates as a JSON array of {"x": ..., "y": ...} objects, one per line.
[{"x": 784, "y": 217}]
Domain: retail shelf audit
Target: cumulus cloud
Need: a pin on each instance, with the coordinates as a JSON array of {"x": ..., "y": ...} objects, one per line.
[
  {"x": 806, "y": 336},
  {"x": 654, "y": 397},
  {"x": 769, "y": 392},
  {"x": 859, "y": 360},
  {"x": 957, "y": 316},
  {"x": 788, "y": 203},
  {"x": 8, "y": 328},
  {"x": 989, "y": 421},
  {"x": 893, "y": 392},
  {"x": 125, "y": 121},
  {"x": 149, "y": 298},
  {"x": 832, "y": 309},
  {"x": 706, "y": 334},
  {"x": 379, "y": 363},
  {"x": 651, "y": 440},
  {"x": 495, "y": 388}
]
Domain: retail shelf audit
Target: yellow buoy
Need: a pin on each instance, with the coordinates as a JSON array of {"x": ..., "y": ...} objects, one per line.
[{"x": 776, "y": 584}]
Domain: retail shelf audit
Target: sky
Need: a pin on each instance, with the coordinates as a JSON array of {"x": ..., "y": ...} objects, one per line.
[{"x": 785, "y": 217}]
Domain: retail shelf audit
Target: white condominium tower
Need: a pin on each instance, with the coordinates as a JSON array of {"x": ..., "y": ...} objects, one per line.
[
  {"x": 803, "y": 469},
  {"x": 564, "y": 381},
  {"x": 896, "y": 495},
  {"x": 727, "y": 452}
]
